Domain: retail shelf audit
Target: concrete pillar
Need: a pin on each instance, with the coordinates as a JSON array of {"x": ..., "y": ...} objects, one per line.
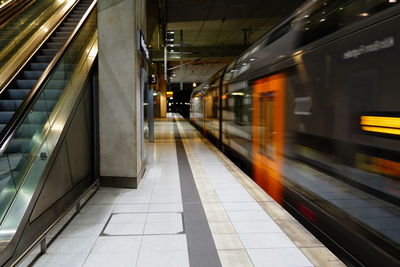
[{"x": 121, "y": 164}]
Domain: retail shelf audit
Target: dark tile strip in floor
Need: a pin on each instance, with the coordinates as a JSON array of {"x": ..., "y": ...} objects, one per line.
[{"x": 201, "y": 246}]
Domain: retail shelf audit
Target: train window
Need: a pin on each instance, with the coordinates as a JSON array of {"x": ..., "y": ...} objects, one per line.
[
  {"x": 266, "y": 125},
  {"x": 278, "y": 33},
  {"x": 262, "y": 124},
  {"x": 270, "y": 125},
  {"x": 330, "y": 16}
]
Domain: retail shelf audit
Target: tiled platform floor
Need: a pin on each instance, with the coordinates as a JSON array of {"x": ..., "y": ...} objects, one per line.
[{"x": 145, "y": 226}]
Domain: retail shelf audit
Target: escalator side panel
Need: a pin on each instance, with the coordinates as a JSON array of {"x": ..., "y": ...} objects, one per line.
[
  {"x": 58, "y": 193},
  {"x": 73, "y": 162}
]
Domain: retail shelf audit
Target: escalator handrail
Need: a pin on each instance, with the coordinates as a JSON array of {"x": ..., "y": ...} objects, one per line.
[
  {"x": 11, "y": 9},
  {"x": 23, "y": 110}
]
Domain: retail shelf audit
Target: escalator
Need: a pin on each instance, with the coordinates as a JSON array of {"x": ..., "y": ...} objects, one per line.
[
  {"x": 47, "y": 128},
  {"x": 18, "y": 89}
]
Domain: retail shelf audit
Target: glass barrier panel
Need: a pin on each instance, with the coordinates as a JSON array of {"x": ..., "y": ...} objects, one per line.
[{"x": 7, "y": 185}]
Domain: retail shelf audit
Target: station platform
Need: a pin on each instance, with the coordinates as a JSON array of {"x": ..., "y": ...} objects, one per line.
[{"x": 193, "y": 207}]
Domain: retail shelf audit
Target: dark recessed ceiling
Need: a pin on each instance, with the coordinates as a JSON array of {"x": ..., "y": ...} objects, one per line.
[
  {"x": 191, "y": 10},
  {"x": 218, "y": 28}
]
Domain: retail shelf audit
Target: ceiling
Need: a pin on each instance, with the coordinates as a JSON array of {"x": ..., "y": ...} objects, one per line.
[
  {"x": 214, "y": 32},
  {"x": 198, "y": 71}
]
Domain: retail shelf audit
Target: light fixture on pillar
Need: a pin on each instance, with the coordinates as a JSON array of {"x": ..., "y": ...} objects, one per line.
[{"x": 194, "y": 84}]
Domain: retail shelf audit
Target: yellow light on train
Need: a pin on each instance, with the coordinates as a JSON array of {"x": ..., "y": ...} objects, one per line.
[
  {"x": 392, "y": 122},
  {"x": 381, "y": 130},
  {"x": 381, "y": 124}
]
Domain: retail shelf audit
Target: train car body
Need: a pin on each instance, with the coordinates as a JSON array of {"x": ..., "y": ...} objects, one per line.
[{"x": 312, "y": 113}]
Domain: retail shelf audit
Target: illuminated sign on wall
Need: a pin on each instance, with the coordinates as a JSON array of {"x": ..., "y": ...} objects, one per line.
[{"x": 142, "y": 45}]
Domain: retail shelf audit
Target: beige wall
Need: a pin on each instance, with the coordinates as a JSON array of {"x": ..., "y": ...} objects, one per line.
[{"x": 119, "y": 91}]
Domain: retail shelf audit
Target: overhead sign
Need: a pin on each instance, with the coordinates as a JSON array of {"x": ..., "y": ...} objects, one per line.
[
  {"x": 142, "y": 45},
  {"x": 153, "y": 79}
]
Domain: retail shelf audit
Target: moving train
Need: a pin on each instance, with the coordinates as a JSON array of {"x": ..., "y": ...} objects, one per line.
[{"x": 311, "y": 112}]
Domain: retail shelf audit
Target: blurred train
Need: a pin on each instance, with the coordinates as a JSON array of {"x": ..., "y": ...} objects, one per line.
[{"x": 311, "y": 112}]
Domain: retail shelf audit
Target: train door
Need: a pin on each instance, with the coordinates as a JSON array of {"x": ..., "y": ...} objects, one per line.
[{"x": 268, "y": 134}]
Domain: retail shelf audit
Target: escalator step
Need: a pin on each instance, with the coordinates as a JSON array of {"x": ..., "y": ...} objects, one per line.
[
  {"x": 25, "y": 130},
  {"x": 14, "y": 160},
  {"x": 5, "y": 116},
  {"x": 19, "y": 145},
  {"x": 60, "y": 75},
  {"x": 18, "y": 94},
  {"x": 73, "y": 20},
  {"x": 25, "y": 83},
  {"x": 32, "y": 74},
  {"x": 48, "y": 52},
  {"x": 62, "y": 34},
  {"x": 54, "y": 45},
  {"x": 44, "y": 105},
  {"x": 53, "y": 94},
  {"x": 58, "y": 39},
  {"x": 9, "y": 105},
  {"x": 69, "y": 24},
  {"x": 56, "y": 84},
  {"x": 38, "y": 66},
  {"x": 66, "y": 29},
  {"x": 28, "y": 130},
  {"x": 43, "y": 59},
  {"x": 37, "y": 117}
]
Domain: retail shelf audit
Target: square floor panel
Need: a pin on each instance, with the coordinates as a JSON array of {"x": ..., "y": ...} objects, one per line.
[
  {"x": 86, "y": 230},
  {"x": 155, "y": 223},
  {"x": 127, "y": 218},
  {"x": 120, "y": 229},
  {"x": 163, "y": 259},
  {"x": 164, "y": 243},
  {"x": 164, "y": 217},
  {"x": 117, "y": 244},
  {"x": 111, "y": 259},
  {"x": 165, "y": 207},
  {"x": 163, "y": 228},
  {"x": 72, "y": 245}
]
